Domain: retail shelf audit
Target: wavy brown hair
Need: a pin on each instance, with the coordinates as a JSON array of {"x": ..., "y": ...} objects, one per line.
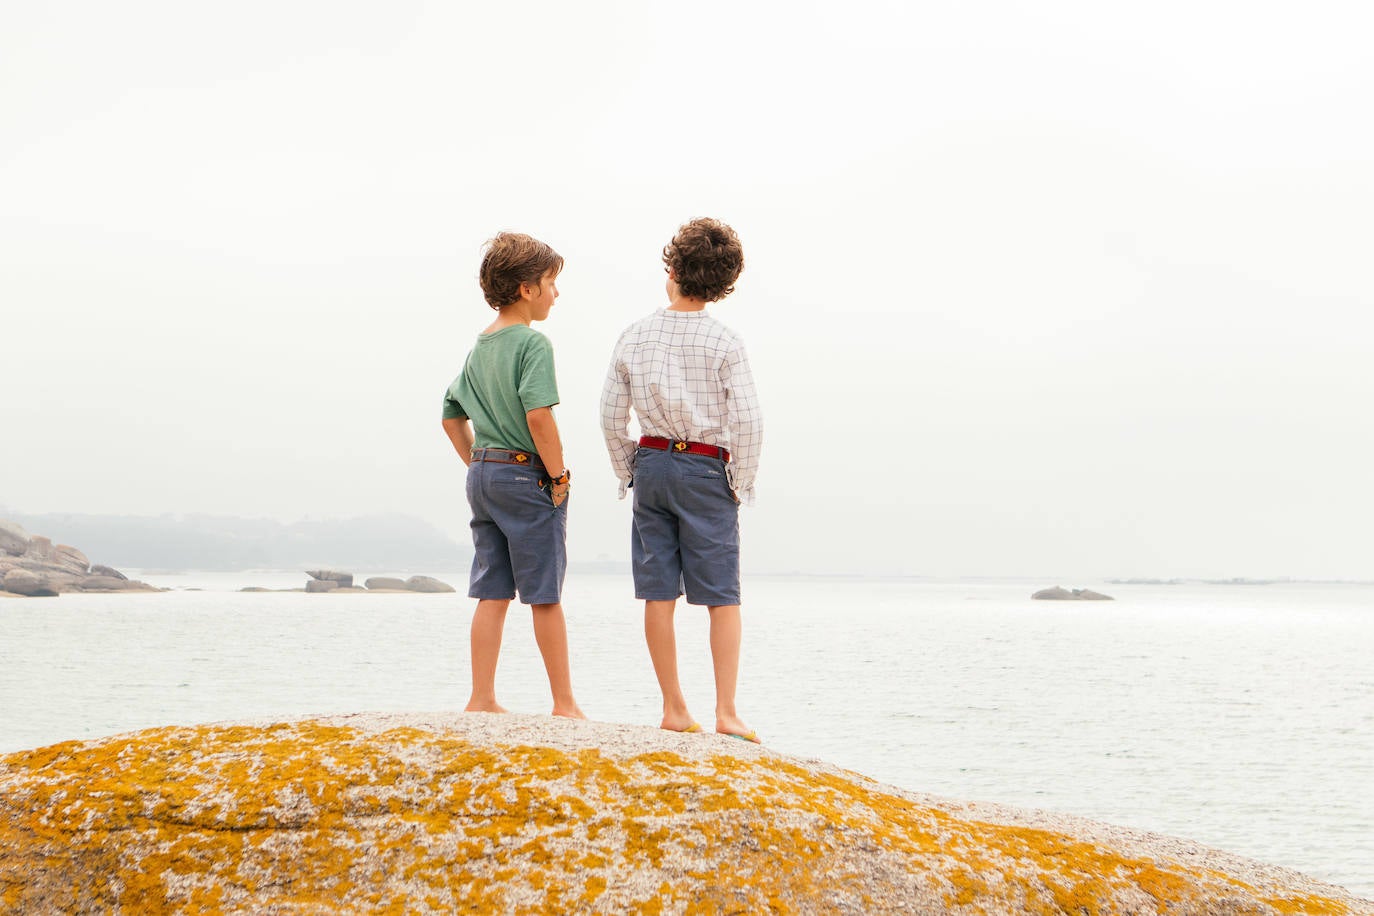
[
  {"x": 706, "y": 258},
  {"x": 512, "y": 258}
]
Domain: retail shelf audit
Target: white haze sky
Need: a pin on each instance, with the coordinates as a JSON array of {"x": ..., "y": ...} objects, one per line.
[{"x": 1069, "y": 290}]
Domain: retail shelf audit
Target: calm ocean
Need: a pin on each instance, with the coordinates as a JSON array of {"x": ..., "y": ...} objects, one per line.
[{"x": 1240, "y": 716}]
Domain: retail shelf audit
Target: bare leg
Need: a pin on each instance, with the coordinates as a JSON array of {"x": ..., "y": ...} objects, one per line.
[
  {"x": 487, "y": 623},
  {"x": 662, "y": 640},
  {"x": 551, "y": 633},
  {"x": 726, "y": 631}
]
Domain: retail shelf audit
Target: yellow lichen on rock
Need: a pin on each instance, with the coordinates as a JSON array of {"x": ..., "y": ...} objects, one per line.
[{"x": 515, "y": 815}]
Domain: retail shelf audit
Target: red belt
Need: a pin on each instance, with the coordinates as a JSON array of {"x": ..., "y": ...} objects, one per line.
[{"x": 691, "y": 448}]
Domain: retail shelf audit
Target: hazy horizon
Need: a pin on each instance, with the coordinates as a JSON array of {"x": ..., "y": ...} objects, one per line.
[
  {"x": 424, "y": 560},
  {"x": 1062, "y": 290}
]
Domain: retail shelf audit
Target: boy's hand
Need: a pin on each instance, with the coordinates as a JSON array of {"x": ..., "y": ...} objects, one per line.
[{"x": 559, "y": 487}]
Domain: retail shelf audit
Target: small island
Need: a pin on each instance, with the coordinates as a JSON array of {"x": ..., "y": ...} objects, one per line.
[
  {"x": 1064, "y": 594},
  {"x": 32, "y": 566}
]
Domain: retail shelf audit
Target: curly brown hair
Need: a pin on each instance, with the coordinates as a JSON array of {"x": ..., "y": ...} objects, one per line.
[
  {"x": 512, "y": 258},
  {"x": 706, "y": 258}
]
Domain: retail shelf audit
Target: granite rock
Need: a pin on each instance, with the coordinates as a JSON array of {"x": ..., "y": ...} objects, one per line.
[
  {"x": 427, "y": 584},
  {"x": 14, "y": 540},
  {"x": 480, "y": 813},
  {"x": 54, "y": 568},
  {"x": 1064, "y": 594},
  {"x": 330, "y": 575},
  {"x": 70, "y": 559},
  {"x": 28, "y": 583}
]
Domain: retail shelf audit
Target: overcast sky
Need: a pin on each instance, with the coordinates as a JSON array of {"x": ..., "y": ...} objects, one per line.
[{"x": 1070, "y": 290}]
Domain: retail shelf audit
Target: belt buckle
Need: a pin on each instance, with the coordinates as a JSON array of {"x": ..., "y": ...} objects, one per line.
[
  {"x": 520, "y": 457},
  {"x": 679, "y": 446}
]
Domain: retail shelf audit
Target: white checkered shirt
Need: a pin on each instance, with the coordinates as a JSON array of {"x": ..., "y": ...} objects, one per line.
[{"x": 687, "y": 377}]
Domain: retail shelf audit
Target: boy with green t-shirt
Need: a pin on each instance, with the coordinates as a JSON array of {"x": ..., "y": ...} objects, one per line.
[{"x": 498, "y": 413}]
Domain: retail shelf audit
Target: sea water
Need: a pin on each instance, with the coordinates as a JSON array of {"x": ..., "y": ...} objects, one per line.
[{"x": 1240, "y": 716}]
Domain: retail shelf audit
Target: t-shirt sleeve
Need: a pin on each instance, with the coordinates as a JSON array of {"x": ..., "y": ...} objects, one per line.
[
  {"x": 538, "y": 387},
  {"x": 452, "y": 409}
]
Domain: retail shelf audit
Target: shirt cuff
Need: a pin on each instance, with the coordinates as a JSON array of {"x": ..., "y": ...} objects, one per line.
[{"x": 745, "y": 493}]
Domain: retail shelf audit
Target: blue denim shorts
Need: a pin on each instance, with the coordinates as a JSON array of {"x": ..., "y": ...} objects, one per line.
[
  {"x": 519, "y": 537},
  {"x": 685, "y": 534}
]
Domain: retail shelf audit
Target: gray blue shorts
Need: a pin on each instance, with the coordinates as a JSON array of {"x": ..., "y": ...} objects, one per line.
[
  {"x": 519, "y": 537},
  {"x": 685, "y": 534}
]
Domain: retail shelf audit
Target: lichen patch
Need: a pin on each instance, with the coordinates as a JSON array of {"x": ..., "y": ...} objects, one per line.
[{"x": 386, "y": 815}]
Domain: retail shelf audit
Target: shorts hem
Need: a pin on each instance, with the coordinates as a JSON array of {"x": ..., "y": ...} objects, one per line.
[
  {"x": 713, "y": 601},
  {"x": 510, "y": 597}
]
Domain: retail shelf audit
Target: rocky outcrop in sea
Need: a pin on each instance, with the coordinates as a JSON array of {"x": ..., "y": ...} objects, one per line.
[
  {"x": 333, "y": 580},
  {"x": 525, "y": 814},
  {"x": 33, "y": 566},
  {"x": 1064, "y": 594}
]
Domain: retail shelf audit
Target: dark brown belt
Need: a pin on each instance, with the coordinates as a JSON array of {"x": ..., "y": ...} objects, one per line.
[
  {"x": 691, "y": 448},
  {"x": 507, "y": 456}
]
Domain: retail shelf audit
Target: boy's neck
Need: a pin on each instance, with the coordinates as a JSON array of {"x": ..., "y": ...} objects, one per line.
[
  {"x": 681, "y": 303},
  {"x": 510, "y": 316}
]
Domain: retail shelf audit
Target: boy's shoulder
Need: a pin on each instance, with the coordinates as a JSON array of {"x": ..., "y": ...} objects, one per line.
[
  {"x": 664, "y": 321},
  {"x": 516, "y": 336}
]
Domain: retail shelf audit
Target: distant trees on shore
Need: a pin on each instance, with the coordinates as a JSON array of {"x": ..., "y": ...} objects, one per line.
[{"x": 214, "y": 542}]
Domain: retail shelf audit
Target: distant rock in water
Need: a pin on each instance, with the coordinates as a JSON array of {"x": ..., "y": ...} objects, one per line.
[
  {"x": 331, "y": 575},
  {"x": 334, "y": 581},
  {"x": 27, "y": 583},
  {"x": 35, "y": 567},
  {"x": 104, "y": 583},
  {"x": 427, "y": 584},
  {"x": 1063, "y": 594},
  {"x": 14, "y": 540},
  {"x": 480, "y": 813}
]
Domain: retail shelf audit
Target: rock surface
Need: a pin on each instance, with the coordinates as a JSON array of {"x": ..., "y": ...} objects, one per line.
[
  {"x": 1064, "y": 594},
  {"x": 31, "y": 565},
  {"x": 29, "y": 584},
  {"x": 338, "y": 581},
  {"x": 427, "y": 584},
  {"x": 14, "y": 540},
  {"x": 525, "y": 814},
  {"x": 330, "y": 575},
  {"x": 100, "y": 570}
]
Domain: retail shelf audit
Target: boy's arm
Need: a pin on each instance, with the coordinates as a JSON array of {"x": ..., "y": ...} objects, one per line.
[
  {"x": 745, "y": 421},
  {"x": 544, "y": 432},
  {"x": 615, "y": 423},
  {"x": 459, "y": 432}
]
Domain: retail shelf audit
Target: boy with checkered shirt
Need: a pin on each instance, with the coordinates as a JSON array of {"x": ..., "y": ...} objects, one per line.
[{"x": 688, "y": 379}]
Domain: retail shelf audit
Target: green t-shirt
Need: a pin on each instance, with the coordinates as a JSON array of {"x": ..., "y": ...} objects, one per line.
[{"x": 508, "y": 373}]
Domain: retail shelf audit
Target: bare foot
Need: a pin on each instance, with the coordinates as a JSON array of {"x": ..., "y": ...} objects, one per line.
[
  {"x": 691, "y": 728},
  {"x": 474, "y": 706},
  {"x": 735, "y": 728},
  {"x": 679, "y": 723},
  {"x": 568, "y": 712}
]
